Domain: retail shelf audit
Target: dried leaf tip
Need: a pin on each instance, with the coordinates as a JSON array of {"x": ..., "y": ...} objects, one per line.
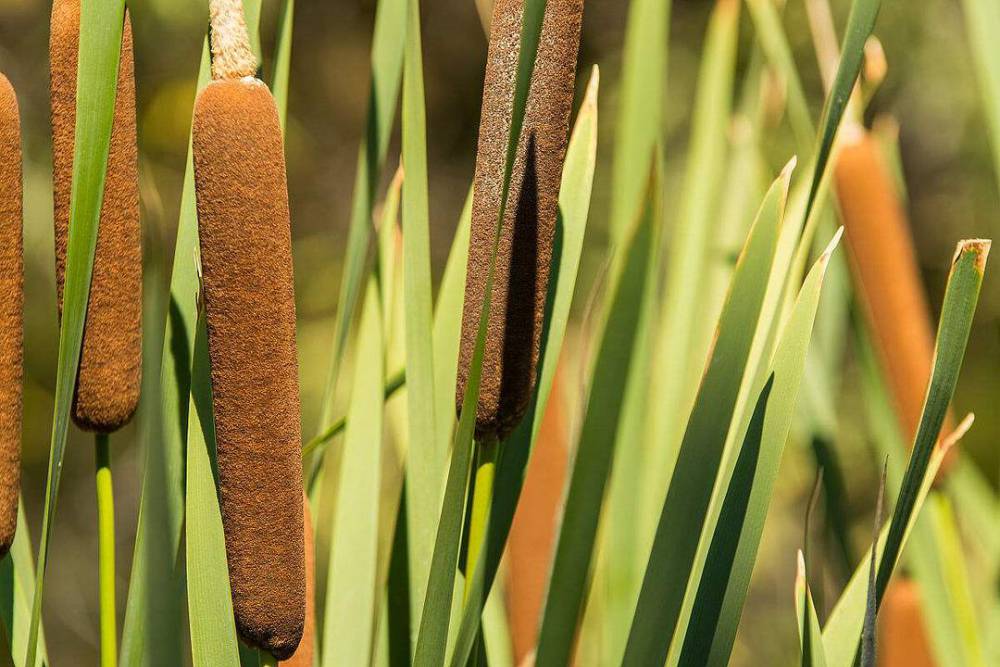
[
  {"x": 834, "y": 242},
  {"x": 978, "y": 247},
  {"x": 593, "y": 85},
  {"x": 800, "y": 573},
  {"x": 232, "y": 57},
  {"x": 955, "y": 436}
]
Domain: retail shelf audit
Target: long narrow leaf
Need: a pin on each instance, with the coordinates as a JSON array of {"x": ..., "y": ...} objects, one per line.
[
  {"x": 725, "y": 578},
  {"x": 348, "y": 634},
  {"x": 640, "y": 118},
  {"x": 843, "y": 629},
  {"x": 383, "y": 93},
  {"x": 680, "y": 351},
  {"x": 210, "y": 604},
  {"x": 101, "y": 27},
  {"x": 684, "y": 511},
  {"x": 426, "y": 456},
  {"x": 810, "y": 637},
  {"x": 629, "y": 309}
]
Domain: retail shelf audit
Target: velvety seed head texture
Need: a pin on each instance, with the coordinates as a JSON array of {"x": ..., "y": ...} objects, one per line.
[
  {"x": 527, "y": 234},
  {"x": 888, "y": 275},
  {"x": 303, "y": 656},
  {"x": 246, "y": 260},
  {"x": 107, "y": 390},
  {"x": 11, "y": 313}
]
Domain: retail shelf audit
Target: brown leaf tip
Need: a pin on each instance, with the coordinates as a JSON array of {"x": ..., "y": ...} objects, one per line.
[{"x": 978, "y": 247}]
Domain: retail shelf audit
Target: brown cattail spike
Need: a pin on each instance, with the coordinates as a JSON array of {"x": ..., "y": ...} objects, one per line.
[
  {"x": 107, "y": 390},
  {"x": 884, "y": 262},
  {"x": 246, "y": 260},
  {"x": 11, "y": 313},
  {"x": 528, "y": 230}
]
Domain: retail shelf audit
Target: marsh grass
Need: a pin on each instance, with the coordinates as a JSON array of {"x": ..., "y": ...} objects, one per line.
[{"x": 404, "y": 575}]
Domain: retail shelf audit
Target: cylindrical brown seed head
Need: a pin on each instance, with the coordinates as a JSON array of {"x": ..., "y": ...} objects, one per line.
[
  {"x": 885, "y": 265},
  {"x": 303, "y": 656},
  {"x": 246, "y": 259},
  {"x": 11, "y": 313},
  {"x": 528, "y": 231},
  {"x": 107, "y": 390}
]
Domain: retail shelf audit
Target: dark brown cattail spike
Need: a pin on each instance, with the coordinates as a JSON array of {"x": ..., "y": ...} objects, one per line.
[
  {"x": 246, "y": 260},
  {"x": 107, "y": 390},
  {"x": 524, "y": 251},
  {"x": 11, "y": 313}
]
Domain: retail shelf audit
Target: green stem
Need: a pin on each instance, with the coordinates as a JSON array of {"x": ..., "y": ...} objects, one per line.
[
  {"x": 267, "y": 660},
  {"x": 482, "y": 498},
  {"x": 106, "y": 551}
]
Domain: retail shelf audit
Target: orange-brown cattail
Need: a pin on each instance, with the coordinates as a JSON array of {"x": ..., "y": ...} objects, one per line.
[
  {"x": 303, "y": 656},
  {"x": 246, "y": 259},
  {"x": 885, "y": 266},
  {"x": 528, "y": 230},
  {"x": 903, "y": 639},
  {"x": 533, "y": 533},
  {"x": 11, "y": 313},
  {"x": 107, "y": 390}
]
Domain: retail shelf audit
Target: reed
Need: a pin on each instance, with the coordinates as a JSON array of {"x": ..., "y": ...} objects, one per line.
[
  {"x": 11, "y": 313},
  {"x": 107, "y": 390},
  {"x": 887, "y": 274},
  {"x": 527, "y": 232},
  {"x": 246, "y": 259}
]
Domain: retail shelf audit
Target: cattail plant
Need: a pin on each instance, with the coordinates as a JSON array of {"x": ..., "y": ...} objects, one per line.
[
  {"x": 11, "y": 313},
  {"x": 107, "y": 390},
  {"x": 527, "y": 232},
  {"x": 246, "y": 259},
  {"x": 887, "y": 275}
]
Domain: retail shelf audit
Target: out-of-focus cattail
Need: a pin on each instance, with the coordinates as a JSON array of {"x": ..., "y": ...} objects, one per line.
[
  {"x": 303, "y": 656},
  {"x": 246, "y": 259},
  {"x": 533, "y": 533},
  {"x": 885, "y": 265},
  {"x": 524, "y": 251},
  {"x": 902, "y": 636},
  {"x": 11, "y": 313},
  {"x": 107, "y": 390}
]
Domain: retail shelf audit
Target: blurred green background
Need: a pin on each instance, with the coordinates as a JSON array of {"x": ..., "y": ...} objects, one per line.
[{"x": 930, "y": 90}]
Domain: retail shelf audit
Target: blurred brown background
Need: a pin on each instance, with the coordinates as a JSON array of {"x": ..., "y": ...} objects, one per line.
[{"x": 930, "y": 89}]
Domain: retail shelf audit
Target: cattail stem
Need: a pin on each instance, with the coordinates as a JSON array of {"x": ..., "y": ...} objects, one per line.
[
  {"x": 232, "y": 55},
  {"x": 487, "y": 453},
  {"x": 267, "y": 660},
  {"x": 106, "y": 551}
]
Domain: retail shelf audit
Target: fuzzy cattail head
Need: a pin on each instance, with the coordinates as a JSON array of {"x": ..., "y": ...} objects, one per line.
[
  {"x": 885, "y": 265},
  {"x": 107, "y": 390},
  {"x": 11, "y": 313},
  {"x": 527, "y": 234},
  {"x": 246, "y": 260}
]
